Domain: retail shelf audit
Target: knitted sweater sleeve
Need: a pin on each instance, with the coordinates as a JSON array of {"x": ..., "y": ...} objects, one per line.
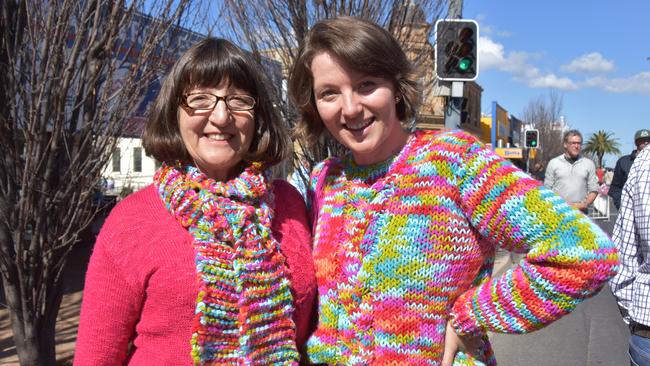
[
  {"x": 568, "y": 257},
  {"x": 109, "y": 311},
  {"x": 292, "y": 230}
]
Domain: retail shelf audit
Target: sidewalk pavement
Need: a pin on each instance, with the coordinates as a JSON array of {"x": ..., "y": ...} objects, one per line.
[
  {"x": 593, "y": 334},
  {"x": 504, "y": 260}
]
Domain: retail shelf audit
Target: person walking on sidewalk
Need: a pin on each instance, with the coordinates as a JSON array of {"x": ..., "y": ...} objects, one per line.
[
  {"x": 631, "y": 286},
  {"x": 623, "y": 165},
  {"x": 211, "y": 264},
  {"x": 407, "y": 223},
  {"x": 572, "y": 175}
]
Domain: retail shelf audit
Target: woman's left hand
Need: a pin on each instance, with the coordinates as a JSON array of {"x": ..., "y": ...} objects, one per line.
[
  {"x": 471, "y": 345},
  {"x": 579, "y": 205}
]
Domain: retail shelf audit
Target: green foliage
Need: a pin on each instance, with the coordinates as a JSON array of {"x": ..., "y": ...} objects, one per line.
[{"x": 601, "y": 143}]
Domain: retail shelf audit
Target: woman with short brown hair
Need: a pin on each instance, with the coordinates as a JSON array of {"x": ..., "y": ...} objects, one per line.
[
  {"x": 204, "y": 266},
  {"x": 208, "y": 61},
  {"x": 407, "y": 223},
  {"x": 363, "y": 48}
]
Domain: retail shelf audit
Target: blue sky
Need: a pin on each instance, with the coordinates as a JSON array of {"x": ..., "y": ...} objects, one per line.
[{"x": 593, "y": 53}]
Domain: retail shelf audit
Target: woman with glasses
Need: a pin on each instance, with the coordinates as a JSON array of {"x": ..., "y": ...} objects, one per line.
[{"x": 211, "y": 264}]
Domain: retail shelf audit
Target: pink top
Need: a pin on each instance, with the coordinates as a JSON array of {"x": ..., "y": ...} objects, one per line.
[{"x": 141, "y": 282}]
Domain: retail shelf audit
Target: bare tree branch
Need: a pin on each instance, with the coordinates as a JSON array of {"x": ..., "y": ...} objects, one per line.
[
  {"x": 276, "y": 28},
  {"x": 72, "y": 73},
  {"x": 545, "y": 114}
]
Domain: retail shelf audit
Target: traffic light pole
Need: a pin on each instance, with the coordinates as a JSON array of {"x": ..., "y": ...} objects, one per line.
[
  {"x": 527, "y": 152},
  {"x": 455, "y": 9},
  {"x": 453, "y": 105}
]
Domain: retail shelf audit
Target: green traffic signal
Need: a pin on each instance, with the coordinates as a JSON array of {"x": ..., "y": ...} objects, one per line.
[
  {"x": 464, "y": 64},
  {"x": 456, "y": 50},
  {"x": 531, "y": 138}
]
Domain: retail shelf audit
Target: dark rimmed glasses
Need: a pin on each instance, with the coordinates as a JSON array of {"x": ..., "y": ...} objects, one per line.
[{"x": 207, "y": 101}]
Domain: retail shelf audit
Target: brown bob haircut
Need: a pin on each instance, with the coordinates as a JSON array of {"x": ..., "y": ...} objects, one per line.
[
  {"x": 363, "y": 46},
  {"x": 205, "y": 65}
]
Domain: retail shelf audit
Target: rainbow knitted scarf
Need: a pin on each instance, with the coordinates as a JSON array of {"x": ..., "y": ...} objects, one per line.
[{"x": 244, "y": 307}]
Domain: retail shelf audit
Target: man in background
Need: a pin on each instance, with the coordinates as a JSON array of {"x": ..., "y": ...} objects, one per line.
[
  {"x": 623, "y": 165},
  {"x": 571, "y": 175},
  {"x": 631, "y": 286}
]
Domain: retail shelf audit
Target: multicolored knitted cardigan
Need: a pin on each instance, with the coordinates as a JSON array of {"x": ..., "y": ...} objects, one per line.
[
  {"x": 405, "y": 245},
  {"x": 244, "y": 304}
]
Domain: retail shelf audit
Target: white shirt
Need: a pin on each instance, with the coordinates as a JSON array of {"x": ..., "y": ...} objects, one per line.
[
  {"x": 572, "y": 180},
  {"x": 631, "y": 285}
]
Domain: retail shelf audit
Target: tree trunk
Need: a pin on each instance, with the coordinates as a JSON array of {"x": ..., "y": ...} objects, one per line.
[
  {"x": 600, "y": 160},
  {"x": 34, "y": 340},
  {"x": 63, "y": 110},
  {"x": 26, "y": 343}
]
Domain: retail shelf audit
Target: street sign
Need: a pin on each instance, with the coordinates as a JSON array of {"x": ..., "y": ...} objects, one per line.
[{"x": 509, "y": 152}]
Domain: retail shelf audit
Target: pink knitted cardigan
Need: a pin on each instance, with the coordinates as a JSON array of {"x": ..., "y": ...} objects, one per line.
[{"x": 141, "y": 282}]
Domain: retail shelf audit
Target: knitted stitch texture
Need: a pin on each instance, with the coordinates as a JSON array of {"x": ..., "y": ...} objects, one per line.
[
  {"x": 140, "y": 290},
  {"x": 404, "y": 245},
  {"x": 244, "y": 305}
]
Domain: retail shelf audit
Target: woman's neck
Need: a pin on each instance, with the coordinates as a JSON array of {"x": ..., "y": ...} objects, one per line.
[{"x": 391, "y": 146}]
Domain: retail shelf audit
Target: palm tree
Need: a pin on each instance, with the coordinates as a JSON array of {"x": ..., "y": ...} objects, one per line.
[{"x": 601, "y": 143}]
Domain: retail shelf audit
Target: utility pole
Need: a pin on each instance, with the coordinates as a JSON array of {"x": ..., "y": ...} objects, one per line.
[
  {"x": 454, "y": 101},
  {"x": 455, "y": 9}
]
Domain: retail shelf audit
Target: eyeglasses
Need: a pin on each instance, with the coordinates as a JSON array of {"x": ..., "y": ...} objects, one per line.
[
  {"x": 576, "y": 143},
  {"x": 207, "y": 101}
]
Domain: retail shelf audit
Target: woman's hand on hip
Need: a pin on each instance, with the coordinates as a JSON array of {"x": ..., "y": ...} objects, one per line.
[{"x": 470, "y": 345}]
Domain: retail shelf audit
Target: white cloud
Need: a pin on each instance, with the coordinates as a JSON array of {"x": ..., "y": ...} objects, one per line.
[
  {"x": 635, "y": 84},
  {"x": 552, "y": 81},
  {"x": 492, "y": 55},
  {"x": 590, "y": 62},
  {"x": 520, "y": 65}
]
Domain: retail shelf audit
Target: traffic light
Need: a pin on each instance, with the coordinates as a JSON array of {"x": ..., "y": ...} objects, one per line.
[
  {"x": 531, "y": 138},
  {"x": 456, "y": 50}
]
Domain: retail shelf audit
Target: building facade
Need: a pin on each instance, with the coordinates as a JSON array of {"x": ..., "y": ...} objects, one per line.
[{"x": 415, "y": 38}]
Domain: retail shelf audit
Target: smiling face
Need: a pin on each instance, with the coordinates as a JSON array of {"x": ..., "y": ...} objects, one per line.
[
  {"x": 216, "y": 139},
  {"x": 357, "y": 109}
]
